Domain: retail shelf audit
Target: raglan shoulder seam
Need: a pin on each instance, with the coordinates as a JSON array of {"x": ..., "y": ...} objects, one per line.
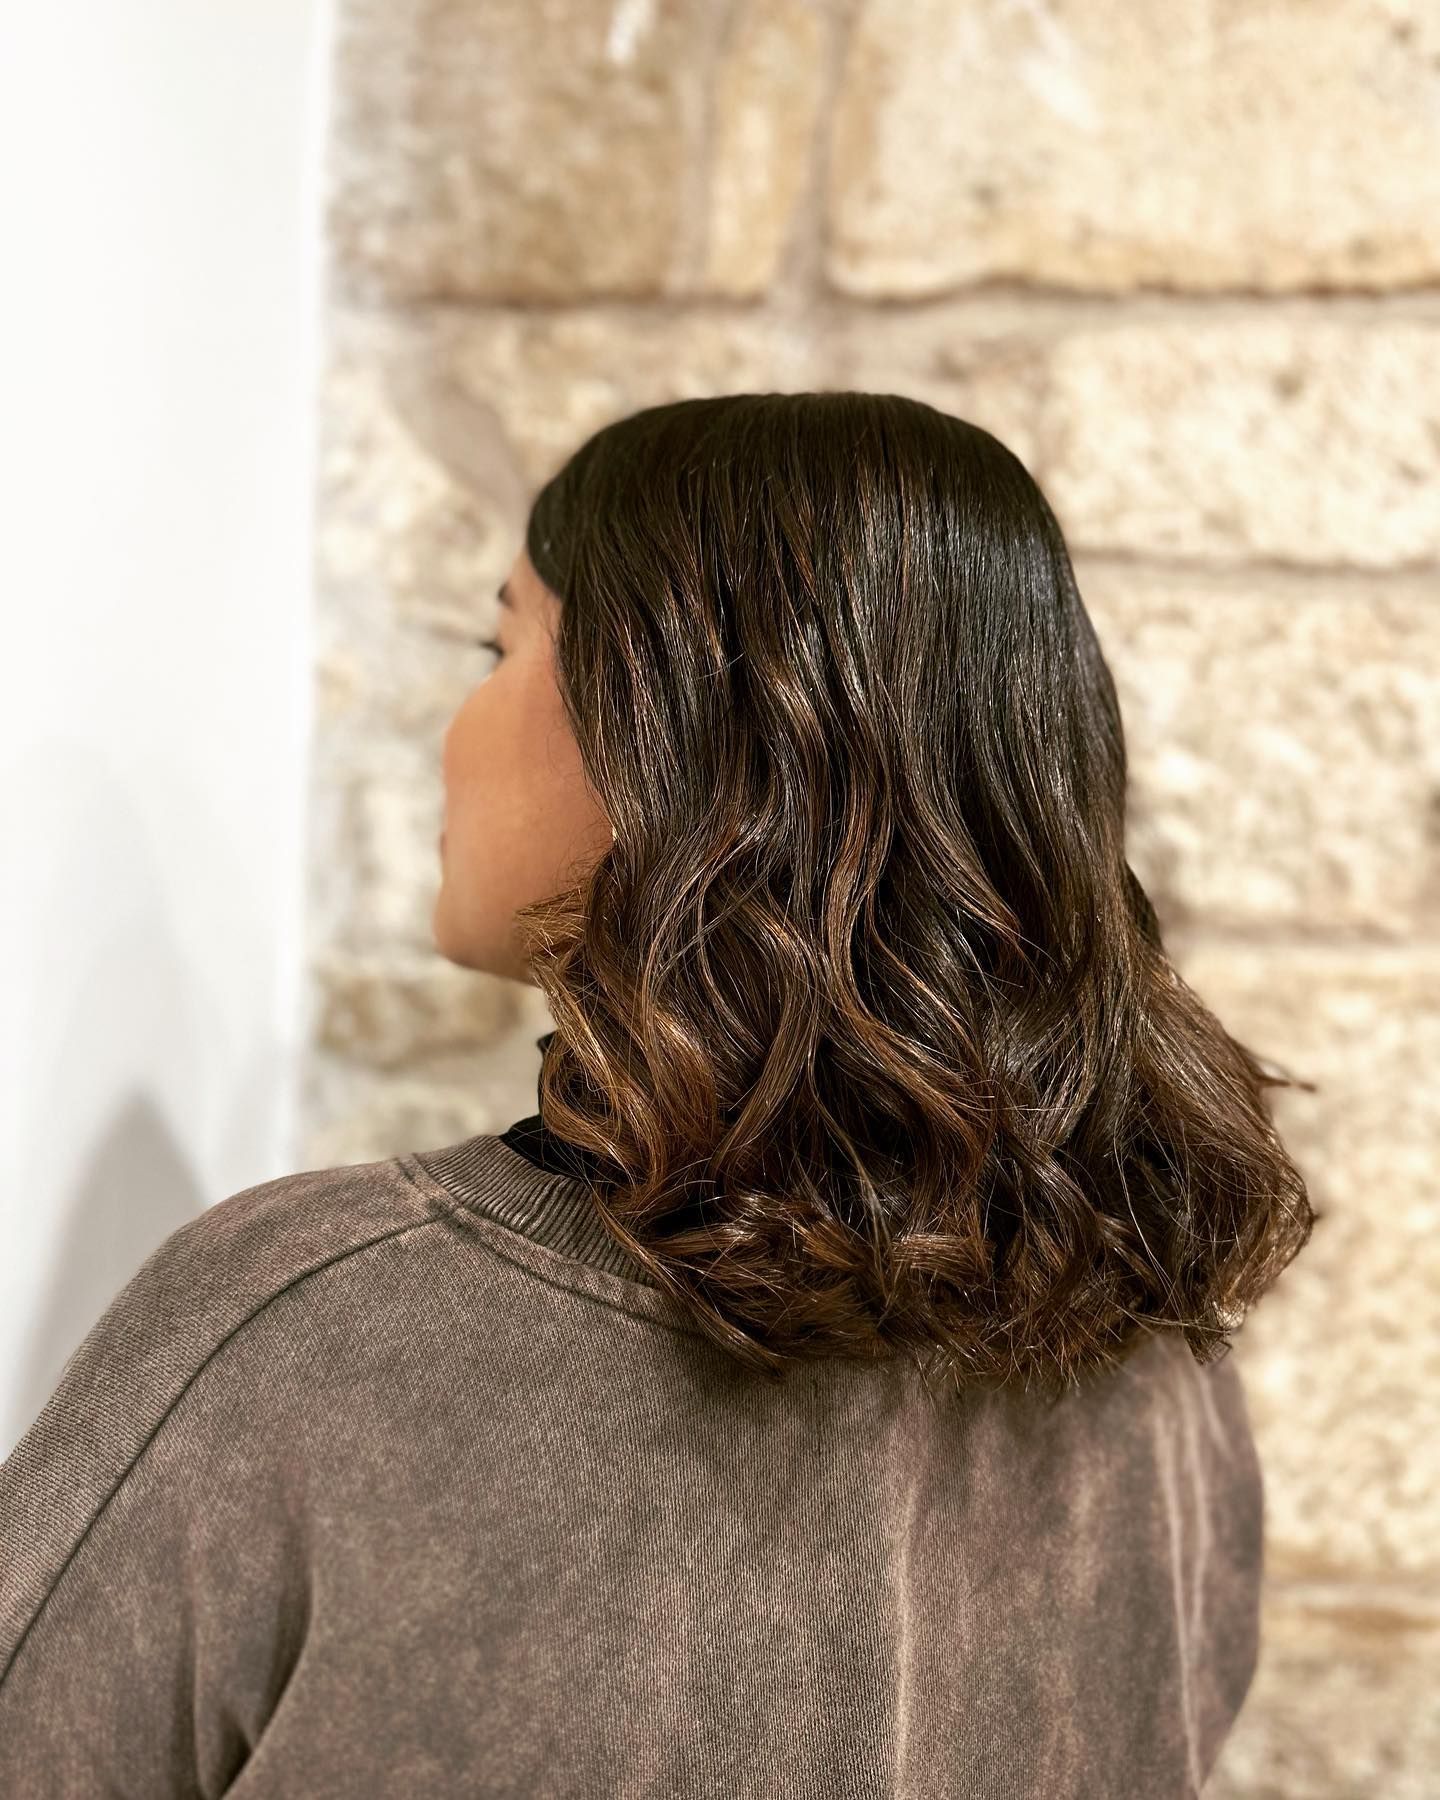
[{"x": 303, "y": 1275}]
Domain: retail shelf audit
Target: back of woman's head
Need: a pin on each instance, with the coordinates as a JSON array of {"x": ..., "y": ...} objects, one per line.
[{"x": 865, "y": 1020}]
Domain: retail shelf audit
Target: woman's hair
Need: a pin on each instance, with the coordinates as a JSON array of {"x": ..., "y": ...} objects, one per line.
[{"x": 864, "y": 1020}]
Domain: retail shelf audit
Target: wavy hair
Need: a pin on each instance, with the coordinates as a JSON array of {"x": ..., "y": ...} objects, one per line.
[{"x": 865, "y": 1022}]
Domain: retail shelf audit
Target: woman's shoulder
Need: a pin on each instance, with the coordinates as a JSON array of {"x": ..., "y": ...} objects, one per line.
[
  {"x": 206, "y": 1290},
  {"x": 214, "y": 1273}
]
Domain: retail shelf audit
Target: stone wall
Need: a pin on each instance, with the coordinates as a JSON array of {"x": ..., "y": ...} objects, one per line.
[{"x": 1183, "y": 257}]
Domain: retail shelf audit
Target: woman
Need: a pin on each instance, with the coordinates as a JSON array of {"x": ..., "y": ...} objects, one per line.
[{"x": 824, "y": 1392}]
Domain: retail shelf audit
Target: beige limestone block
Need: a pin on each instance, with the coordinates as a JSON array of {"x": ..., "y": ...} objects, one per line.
[
  {"x": 1343, "y": 1704},
  {"x": 768, "y": 92},
  {"x": 555, "y": 377},
  {"x": 419, "y": 501},
  {"x": 358, "y": 1109},
  {"x": 407, "y": 687},
  {"x": 516, "y": 151},
  {"x": 1111, "y": 146},
  {"x": 982, "y": 362},
  {"x": 1301, "y": 436},
  {"x": 1341, "y": 1358},
  {"x": 1284, "y": 744},
  {"x": 440, "y": 426},
  {"x": 390, "y": 1009},
  {"x": 364, "y": 1114},
  {"x": 380, "y": 858}
]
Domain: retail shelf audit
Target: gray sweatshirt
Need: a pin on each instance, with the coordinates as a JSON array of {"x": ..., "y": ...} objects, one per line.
[{"x": 400, "y": 1478}]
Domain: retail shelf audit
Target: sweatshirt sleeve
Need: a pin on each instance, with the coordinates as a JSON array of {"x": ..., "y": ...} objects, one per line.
[
  {"x": 129, "y": 1591},
  {"x": 154, "y": 1571}
]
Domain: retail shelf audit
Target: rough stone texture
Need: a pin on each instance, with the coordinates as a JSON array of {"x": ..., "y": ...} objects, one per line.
[
  {"x": 515, "y": 151},
  {"x": 545, "y": 216},
  {"x": 421, "y": 498},
  {"x": 1105, "y": 147},
  {"x": 1347, "y": 1336},
  {"x": 392, "y": 1014},
  {"x": 1342, "y": 1368},
  {"x": 1343, "y": 1705},
  {"x": 1285, "y": 761},
  {"x": 1291, "y": 435},
  {"x": 362, "y": 1115},
  {"x": 767, "y": 104},
  {"x": 1292, "y": 439}
]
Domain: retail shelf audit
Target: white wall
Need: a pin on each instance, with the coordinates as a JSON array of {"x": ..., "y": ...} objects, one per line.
[{"x": 159, "y": 318}]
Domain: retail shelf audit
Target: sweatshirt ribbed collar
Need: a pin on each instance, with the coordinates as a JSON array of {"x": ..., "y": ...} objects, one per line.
[{"x": 533, "y": 1182}]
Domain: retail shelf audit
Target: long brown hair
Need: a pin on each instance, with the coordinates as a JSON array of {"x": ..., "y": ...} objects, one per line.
[{"x": 865, "y": 1018}]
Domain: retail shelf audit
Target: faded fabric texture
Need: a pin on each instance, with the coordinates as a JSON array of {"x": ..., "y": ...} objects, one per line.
[{"x": 400, "y": 1478}]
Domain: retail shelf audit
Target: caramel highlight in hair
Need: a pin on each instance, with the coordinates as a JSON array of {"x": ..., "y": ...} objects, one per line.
[{"x": 864, "y": 1019}]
